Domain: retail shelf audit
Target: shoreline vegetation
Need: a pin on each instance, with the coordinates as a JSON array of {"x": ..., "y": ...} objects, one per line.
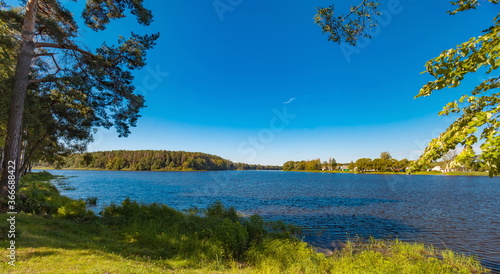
[
  {"x": 163, "y": 160},
  {"x": 387, "y": 165},
  {"x": 57, "y": 234},
  {"x": 451, "y": 173},
  {"x": 149, "y": 160}
]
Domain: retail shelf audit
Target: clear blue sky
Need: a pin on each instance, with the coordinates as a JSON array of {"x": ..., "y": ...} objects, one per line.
[{"x": 221, "y": 79}]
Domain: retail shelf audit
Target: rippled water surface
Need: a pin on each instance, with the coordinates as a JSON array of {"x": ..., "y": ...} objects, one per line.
[{"x": 458, "y": 212}]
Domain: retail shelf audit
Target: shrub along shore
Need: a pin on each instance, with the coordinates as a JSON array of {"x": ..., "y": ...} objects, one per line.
[{"x": 56, "y": 234}]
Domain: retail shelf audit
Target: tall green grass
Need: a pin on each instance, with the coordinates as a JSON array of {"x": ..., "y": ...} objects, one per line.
[{"x": 470, "y": 173}]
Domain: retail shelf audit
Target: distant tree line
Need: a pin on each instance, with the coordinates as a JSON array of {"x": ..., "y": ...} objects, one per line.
[
  {"x": 311, "y": 165},
  {"x": 383, "y": 164},
  {"x": 152, "y": 160},
  {"x": 387, "y": 164},
  {"x": 243, "y": 166}
]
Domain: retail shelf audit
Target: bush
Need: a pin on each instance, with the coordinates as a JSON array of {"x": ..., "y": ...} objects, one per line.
[
  {"x": 91, "y": 201},
  {"x": 130, "y": 212},
  {"x": 36, "y": 176},
  {"x": 282, "y": 230},
  {"x": 220, "y": 234},
  {"x": 255, "y": 227},
  {"x": 43, "y": 198},
  {"x": 38, "y": 198},
  {"x": 74, "y": 209},
  {"x": 232, "y": 236},
  {"x": 218, "y": 210}
]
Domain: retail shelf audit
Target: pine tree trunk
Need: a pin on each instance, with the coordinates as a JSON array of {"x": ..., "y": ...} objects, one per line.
[
  {"x": 15, "y": 118},
  {"x": 1, "y": 159}
]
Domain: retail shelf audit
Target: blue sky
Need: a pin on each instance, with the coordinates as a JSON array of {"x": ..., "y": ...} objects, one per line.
[{"x": 261, "y": 84}]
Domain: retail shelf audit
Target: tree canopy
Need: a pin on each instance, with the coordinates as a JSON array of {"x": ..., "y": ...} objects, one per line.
[
  {"x": 146, "y": 160},
  {"x": 383, "y": 164},
  {"x": 348, "y": 27},
  {"x": 476, "y": 130},
  {"x": 385, "y": 155},
  {"x": 69, "y": 89}
]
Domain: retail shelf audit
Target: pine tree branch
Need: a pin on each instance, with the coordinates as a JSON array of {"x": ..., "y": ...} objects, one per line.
[
  {"x": 43, "y": 80},
  {"x": 53, "y": 59},
  {"x": 44, "y": 54},
  {"x": 62, "y": 46}
]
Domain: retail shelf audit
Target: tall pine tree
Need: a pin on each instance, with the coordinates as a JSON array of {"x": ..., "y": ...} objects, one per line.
[{"x": 81, "y": 88}]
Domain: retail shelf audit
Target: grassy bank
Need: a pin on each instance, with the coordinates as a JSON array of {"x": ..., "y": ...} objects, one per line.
[
  {"x": 472, "y": 173},
  {"x": 63, "y": 237}
]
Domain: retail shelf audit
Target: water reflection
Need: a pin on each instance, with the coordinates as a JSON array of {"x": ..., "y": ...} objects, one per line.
[
  {"x": 292, "y": 205},
  {"x": 321, "y": 202},
  {"x": 327, "y": 228}
]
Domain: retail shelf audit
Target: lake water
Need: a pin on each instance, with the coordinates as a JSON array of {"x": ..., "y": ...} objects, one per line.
[{"x": 458, "y": 212}]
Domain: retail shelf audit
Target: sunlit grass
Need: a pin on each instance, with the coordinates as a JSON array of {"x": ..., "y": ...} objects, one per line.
[
  {"x": 378, "y": 256},
  {"x": 462, "y": 173}
]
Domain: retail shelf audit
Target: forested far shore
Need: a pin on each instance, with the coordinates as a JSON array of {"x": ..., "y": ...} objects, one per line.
[
  {"x": 383, "y": 164},
  {"x": 386, "y": 164},
  {"x": 163, "y": 160},
  {"x": 148, "y": 160}
]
